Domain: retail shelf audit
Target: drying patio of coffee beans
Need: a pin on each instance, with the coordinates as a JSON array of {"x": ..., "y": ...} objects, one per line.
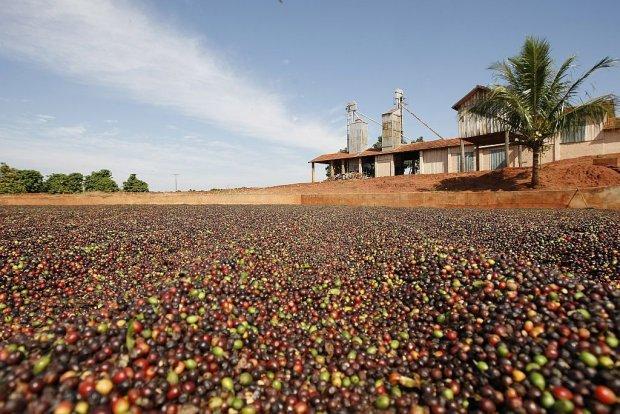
[{"x": 275, "y": 309}]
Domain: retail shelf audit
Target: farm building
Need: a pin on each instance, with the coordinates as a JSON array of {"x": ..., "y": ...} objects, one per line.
[{"x": 481, "y": 143}]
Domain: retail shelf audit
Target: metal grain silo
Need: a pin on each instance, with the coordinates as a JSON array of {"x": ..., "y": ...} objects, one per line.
[
  {"x": 357, "y": 139},
  {"x": 392, "y": 123}
]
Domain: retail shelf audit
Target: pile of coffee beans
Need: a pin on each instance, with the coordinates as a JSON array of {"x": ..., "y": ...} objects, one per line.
[{"x": 270, "y": 309}]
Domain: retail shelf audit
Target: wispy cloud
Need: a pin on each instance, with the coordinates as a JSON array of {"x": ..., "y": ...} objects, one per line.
[
  {"x": 43, "y": 118},
  {"x": 118, "y": 45},
  {"x": 203, "y": 162}
]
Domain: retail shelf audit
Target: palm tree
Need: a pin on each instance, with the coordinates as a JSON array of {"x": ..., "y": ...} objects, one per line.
[{"x": 535, "y": 101}]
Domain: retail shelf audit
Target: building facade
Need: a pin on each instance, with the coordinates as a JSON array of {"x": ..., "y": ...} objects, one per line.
[{"x": 482, "y": 144}]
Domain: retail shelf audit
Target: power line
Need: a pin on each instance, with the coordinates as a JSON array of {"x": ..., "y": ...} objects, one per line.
[
  {"x": 422, "y": 122},
  {"x": 369, "y": 118},
  {"x": 402, "y": 132},
  {"x": 378, "y": 123}
]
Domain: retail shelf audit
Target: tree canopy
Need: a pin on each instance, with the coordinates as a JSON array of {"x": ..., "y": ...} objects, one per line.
[
  {"x": 135, "y": 185},
  {"x": 100, "y": 181},
  {"x": 15, "y": 181},
  {"x": 10, "y": 182},
  {"x": 32, "y": 180},
  {"x": 64, "y": 183}
]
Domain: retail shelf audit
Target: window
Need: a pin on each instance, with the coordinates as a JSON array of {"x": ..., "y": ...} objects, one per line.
[
  {"x": 497, "y": 158},
  {"x": 469, "y": 161},
  {"x": 577, "y": 134}
]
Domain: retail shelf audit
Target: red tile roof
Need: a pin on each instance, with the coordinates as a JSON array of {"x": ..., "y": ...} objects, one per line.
[
  {"x": 414, "y": 146},
  {"x": 345, "y": 155}
]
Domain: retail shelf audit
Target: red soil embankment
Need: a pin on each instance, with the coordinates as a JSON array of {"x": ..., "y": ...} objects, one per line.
[{"x": 573, "y": 173}]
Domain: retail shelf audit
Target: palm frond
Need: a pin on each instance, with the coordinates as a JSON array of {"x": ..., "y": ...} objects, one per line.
[
  {"x": 591, "y": 111},
  {"x": 504, "y": 72},
  {"x": 535, "y": 65},
  {"x": 562, "y": 73},
  {"x": 505, "y": 106},
  {"x": 557, "y": 87},
  {"x": 606, "y": 62}
]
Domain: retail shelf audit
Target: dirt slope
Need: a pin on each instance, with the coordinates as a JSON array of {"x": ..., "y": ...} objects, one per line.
[{"x": 573, "y": 173}]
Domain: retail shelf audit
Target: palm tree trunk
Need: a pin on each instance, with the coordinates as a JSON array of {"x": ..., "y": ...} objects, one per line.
[{"x": 535, "y": 167}]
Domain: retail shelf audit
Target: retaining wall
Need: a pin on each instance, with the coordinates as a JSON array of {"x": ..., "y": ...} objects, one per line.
[
  {"x": 601, "y": 198},
  {"x": 147, "y": 198}
]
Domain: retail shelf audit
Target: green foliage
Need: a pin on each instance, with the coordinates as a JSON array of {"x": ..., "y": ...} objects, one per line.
[
  {"x": 100, "y": 181},
  {"x": 64, "y": 184},
  {"x": 535, "y": 101},
  {"x": 32, "y": 180},
  {"x": 10, "y": 182},
  {"x": 75, "y": 183},
  {"x": 134, "y": 185},
  {"x": 377, "y": 145}
]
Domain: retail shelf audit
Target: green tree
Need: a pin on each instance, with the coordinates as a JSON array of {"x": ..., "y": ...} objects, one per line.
[
  {"x": 535, "y": 101},
  {"x": 55, "y": 183},
  {"x": 10, "y": 182},
  {"x": 64, "y": 184},
  {"x": 32, "y": 180},
  {"x": 134, "y": 185},
  {"x": 100, "y": 181},
  {"x": 377, "y": 145},
  {"x": 74, "y": 183}
]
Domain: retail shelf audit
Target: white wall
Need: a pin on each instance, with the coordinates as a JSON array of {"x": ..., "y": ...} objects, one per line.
[
  {"x": 434, "y": 161},
  {"x": 454, "y": 154},
  {"x": 605, "y": 142},
  {"x": 384, "y": 165}
]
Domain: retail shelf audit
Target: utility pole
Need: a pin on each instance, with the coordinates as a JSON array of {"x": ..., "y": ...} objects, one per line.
[{"x": 175, "y": 182}]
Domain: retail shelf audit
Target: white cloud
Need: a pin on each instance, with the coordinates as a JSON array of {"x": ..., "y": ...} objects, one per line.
[
  {"x": 43, "y": 118},
  {"x": 202, "y": 162},
  {"x": 118, "y": 45}
]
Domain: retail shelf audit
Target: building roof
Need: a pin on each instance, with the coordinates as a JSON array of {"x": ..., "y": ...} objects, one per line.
[
  {"x": 469, "y": 94},
  {"x": 414, "y": 146},
  {"x": 427, "y": 145},
  {"x": 345, "y": 155}
]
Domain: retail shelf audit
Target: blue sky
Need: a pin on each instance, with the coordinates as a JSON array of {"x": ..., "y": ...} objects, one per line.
[{"x": 244, "y": 93}]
